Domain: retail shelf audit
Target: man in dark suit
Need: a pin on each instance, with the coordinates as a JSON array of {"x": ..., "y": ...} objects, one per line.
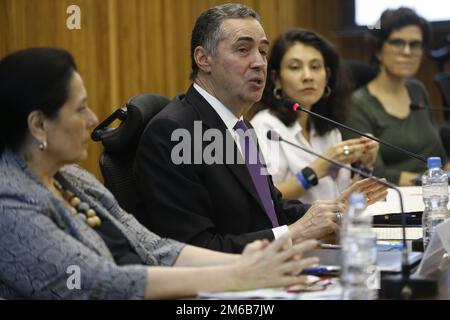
[{"x": 193, "y": 184}]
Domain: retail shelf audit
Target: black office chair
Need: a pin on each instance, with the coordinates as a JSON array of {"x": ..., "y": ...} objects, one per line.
[
  {"x": 443, "y": 83},
  {"x": 360, "y": 73},
  {"x": 441, "y": 55},
  {"x": 120, "y": 144}
]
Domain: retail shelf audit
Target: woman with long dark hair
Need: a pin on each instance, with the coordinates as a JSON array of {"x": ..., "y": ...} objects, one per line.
[{"x": 305, "y": 67}]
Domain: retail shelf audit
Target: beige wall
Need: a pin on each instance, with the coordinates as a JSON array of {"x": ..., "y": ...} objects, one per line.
[{"x": 126, "y": 47}]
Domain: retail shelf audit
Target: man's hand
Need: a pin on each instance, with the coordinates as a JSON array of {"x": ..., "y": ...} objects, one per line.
[{"x": 319, "y": 222}]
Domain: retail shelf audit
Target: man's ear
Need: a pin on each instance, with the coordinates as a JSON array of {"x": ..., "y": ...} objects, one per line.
[
  {"x": 202, "y": 59},
  {"x": 36, "y": 125}
]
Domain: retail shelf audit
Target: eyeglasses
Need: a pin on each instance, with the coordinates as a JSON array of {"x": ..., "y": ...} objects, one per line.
[{"x": 398, "y": 45}]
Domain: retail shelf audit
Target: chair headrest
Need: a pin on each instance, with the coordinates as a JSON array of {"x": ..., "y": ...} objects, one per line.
[
  {"x": 360, "y": 73},
  {"x": 139, "y": 110}
]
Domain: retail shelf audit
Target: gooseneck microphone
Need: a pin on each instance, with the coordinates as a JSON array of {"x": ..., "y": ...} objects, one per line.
[
  {"x": 291, "y": 104},
  {"x": 392, "y": 287},
  {"x": 414, "y": 106}
]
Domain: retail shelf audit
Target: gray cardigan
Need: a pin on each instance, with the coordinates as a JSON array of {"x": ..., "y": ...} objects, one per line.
[{"x": 40, "y": 240}]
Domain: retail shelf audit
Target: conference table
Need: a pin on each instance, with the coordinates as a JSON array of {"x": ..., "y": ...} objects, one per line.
[{"x": 329, "y": 257}]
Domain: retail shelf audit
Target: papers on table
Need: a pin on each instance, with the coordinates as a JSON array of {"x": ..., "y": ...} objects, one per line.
[
  {"x": 443, "y": 230},
  {"x": 332, "y": 292},
  {"x": 390, "y": 261},
  {"x": 396, "y": 233},
  {"x": 412, "y": 202},
  {"x": 270, "y": 293},
  {"x": 279, "y": 293},
  {"x": 438, "y": 246}
]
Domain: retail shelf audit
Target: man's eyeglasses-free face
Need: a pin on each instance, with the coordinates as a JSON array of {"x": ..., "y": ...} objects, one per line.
[{"x": 399, "y": 45}]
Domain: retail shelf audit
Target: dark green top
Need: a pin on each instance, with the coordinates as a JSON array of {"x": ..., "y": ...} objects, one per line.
[{"x": 417, "y": 133}]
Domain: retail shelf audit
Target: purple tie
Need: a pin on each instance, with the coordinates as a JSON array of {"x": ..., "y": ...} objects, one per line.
[{"x": 254, "y": 167}]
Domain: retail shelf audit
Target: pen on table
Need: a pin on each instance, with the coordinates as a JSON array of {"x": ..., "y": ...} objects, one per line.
[
  {"x": 390, "y": 245},
  {"x": 330, "y": 246},
  {"x": 379, "y": 245},
  {"x": 322, "y": 269}
]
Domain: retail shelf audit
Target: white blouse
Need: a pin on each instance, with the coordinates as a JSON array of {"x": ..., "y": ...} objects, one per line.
[{"x": 284, "y": 161}]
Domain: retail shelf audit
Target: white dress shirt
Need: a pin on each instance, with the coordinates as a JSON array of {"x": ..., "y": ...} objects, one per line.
[
  {"x": 230, "y": 121},
  {"x": 284, "y": 161},
  {"x": 224, "y": 113}
]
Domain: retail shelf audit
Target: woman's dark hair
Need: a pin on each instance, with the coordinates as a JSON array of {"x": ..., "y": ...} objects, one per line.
[
  {"x": 391, "y": 20},
  {"x": 31, "y": 79},
  {"x": 334, "y": 106}
]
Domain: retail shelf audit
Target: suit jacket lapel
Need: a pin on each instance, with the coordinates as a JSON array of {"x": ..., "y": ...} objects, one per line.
[{"x": 211, "y": 119}]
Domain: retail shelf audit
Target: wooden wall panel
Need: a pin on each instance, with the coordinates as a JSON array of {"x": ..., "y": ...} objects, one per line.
[
  {"x": 27, "y": 23},
  {"x": 134, "y": 46}
]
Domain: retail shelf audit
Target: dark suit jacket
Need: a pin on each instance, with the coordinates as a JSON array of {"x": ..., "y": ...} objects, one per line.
[{"x": 215, "y": 206}]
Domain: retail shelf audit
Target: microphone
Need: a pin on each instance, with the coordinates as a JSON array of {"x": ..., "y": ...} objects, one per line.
[
  {"x": 420, "y": 106},
  {"x": 403, "y": 286},
  {"x": 291, "y": 104}
]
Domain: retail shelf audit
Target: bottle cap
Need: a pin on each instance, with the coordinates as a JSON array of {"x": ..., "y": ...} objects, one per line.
[{"x": 434, "y": 162}]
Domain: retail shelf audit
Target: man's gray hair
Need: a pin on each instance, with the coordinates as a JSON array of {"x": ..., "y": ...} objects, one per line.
[{"x": 207, "y": 31}]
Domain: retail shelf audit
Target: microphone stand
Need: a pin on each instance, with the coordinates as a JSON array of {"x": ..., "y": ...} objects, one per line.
[
  {"x": 396, "y": 287},
  {"x": 419, "y": 107},
  {"x": 295, "y": 106}
]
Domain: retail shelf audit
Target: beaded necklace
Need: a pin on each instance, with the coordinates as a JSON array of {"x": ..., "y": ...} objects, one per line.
[{"x": 77, "y": 207}]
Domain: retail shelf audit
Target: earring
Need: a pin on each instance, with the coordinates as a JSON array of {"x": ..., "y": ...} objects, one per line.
[
  {"x": 278, "y": 93},
  {"x": 43, "y": 145},
  {"x": 327, "y": 92}
]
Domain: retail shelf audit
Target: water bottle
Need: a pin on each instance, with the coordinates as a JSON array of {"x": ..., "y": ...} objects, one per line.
[
  {"x": 435, "y": 198},
  {"x": 359, "y": 274}
]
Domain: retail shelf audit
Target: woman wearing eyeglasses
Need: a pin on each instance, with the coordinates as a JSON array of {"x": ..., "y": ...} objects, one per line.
[{"x": 383, "y": 106}]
